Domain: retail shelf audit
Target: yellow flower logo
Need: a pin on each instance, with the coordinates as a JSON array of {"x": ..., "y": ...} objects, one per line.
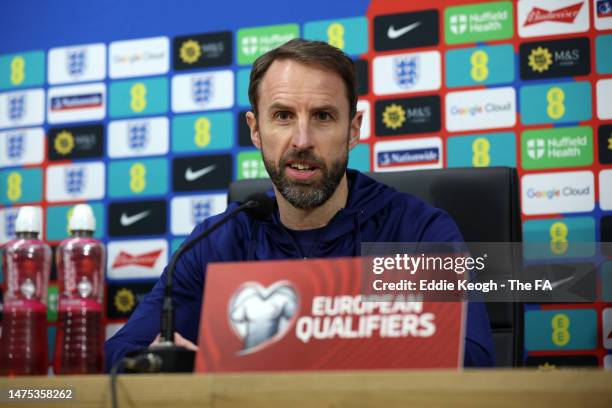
[
  {"x": 540, "y": 59},
  {"x": 64, "y": 143},
  {"x": 394, "y": 116},
  {"x": 190, "y": 51},
  {"x": 124, "y": 300}
]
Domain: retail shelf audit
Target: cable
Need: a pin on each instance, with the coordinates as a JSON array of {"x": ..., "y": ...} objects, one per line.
[{"x": 113, "y": 380}]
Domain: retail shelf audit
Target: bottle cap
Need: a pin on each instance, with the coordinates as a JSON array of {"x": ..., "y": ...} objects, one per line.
[
  {"x": 82, "y": 218},
  {"x": 28, "y": 220}
]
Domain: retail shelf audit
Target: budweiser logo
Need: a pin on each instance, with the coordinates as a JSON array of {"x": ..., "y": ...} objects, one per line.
[
  {"x": 563, "y": 15},
  {"x": 147, "y": 259}
]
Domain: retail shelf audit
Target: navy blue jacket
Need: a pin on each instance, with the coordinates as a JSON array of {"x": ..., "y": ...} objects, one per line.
[{"x": 374, "y": 213}]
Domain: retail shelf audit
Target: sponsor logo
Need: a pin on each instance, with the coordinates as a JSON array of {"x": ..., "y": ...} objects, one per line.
[
  {"x": 604, "y": 107},
  {"x": 137, "y": 259},
  {"x": 138, "y": 97},
  {"x": 562, "y": 15},
  {"x": 137, "y": 178},
  {"x": 480, "y": 109},
  {"x": 76, "y": 103},
  {"x": 78, "y": 142},
  {"x": 478, "y": 22},
  {"x": 202, "y": 132},
  {"x": 20, "y": 186},
  {"x": 407, "y": 73},
  {"x": 194, "y": 92},
  {"x": 137, "y": 218},
  {"x": 551, "y": 59},
  {"x": 142, "y": 137},
  {"x": 23, "y": 70},
  {"x": 15, "y": 146},
  {"x": 123, "y": 298},
  {"x": 361, "y": 68},
  {"x": 250, "y": 165},
  {"x": 561, "y": 147},
  {"x": 549, "y": 17},
  {"x": 605, "y": 189},
  {"x": 561, "y": 329},
  {"x": 484, "y": 65},
  {"x": 77, "y": 64},
  {"x": 562, "y": 102},
  {"x": 75, "y": 182},
  {"x": 406, "y": 30},
  {"x": 202, "y": 51},
  {"x": 260, "y": 315},
  {"x": 253, "y": 42},
  {"x": 554, "y": 362},
  {"x": 198, "y": 173},
  {"x": 8, "y": 216},
  {"x": 552, "y": 193},
  {"x": 559, "y": 238},
  {"x": 407, "y": 116},
  {"x": 189, "y": 211},
  {"x": 364, "y": 106},
  {"x": 605, "y": 144},
  {"x": 603, "y": 14},
  {"x": 150, "y": 56},
  {"x": 191, "y": 175},
  {"x": 348, "y": 34},
  {"x": 425, "y": 153},
  {"x": 24, "y": 108},
  {"x": 482, "y": 150}
]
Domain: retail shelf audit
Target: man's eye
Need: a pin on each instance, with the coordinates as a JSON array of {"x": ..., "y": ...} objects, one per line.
[
  {"x": 323, "y": 116},
  {"x": 282, "y": 115}
]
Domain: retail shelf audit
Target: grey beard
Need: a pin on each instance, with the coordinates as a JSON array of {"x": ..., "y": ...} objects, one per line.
[{"x": 306, "y": 196}]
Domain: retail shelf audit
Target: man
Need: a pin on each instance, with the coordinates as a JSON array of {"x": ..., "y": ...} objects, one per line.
[{"x": 304, "y": 121}]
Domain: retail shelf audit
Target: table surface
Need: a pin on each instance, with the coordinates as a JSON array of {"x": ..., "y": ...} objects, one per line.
[{"x": 432, "y": 388}]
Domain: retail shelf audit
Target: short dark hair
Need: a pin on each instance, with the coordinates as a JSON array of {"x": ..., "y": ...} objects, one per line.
[{"x": 316, "y": 53}]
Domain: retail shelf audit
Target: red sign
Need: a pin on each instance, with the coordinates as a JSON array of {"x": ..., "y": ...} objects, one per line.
[
  {"x": 310, "y": 315},
  {"x": 147, "y": 260},
  {"x": 563, "y": 15}
]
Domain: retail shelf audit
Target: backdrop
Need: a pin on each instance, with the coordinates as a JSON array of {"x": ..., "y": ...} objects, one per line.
[{"x": 138, "y": 109}]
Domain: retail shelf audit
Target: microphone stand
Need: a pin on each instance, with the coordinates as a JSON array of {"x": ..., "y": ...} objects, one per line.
[{"x": 165, "y": 356}]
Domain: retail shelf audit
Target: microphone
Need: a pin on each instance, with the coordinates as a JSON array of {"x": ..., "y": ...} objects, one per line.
[{"x": 168, "y": 357}]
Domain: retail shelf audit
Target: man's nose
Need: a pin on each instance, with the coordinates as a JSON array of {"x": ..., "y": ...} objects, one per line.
[{"x": 302, "y": 136}]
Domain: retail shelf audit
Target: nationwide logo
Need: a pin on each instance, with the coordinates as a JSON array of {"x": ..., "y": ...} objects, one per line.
[
  {"x": 147, "y": 259},
  {"x": 478, "y": 22},
  {"x": 202, "y": 51},
  {"x": 76, "y": 61},
  {"x": 260, "y": 315},
  {"x": 558, "y": 58},
  {"x": 86, "y": 101},
  {"x": 406, "y": 30},
  {"x": 561, "y": 15},
  {"x": 78, "y": 142},
  {"x": 15, "y": 146},
  {"x": 412, "y": 154},
  {"x": 540, "y": 59}
]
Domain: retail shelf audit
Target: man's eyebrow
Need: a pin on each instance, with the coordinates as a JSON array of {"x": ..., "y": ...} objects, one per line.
[
  {"x": 279, "y": 106},
  {"x": 329, "y": 108}
]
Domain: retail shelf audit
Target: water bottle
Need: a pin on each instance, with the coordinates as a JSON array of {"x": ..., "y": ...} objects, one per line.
[
  {"x": 26, "y": 265},
  {"x": 80, "y": 262}
]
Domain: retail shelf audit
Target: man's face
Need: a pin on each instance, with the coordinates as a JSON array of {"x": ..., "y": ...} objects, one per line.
[{"x": 304, "y": 131}]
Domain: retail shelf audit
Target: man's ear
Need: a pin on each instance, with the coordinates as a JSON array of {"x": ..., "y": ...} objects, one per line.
[
  {"x": 355, "y": 129},
  {"x": 252, "y": 122}
]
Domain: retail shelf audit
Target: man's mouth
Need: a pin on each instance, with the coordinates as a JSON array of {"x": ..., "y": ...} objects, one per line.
[{"x": 301, "y": 166}]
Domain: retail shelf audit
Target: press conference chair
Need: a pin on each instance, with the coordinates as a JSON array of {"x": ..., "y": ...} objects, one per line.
[{"x": 484, "y": 202}]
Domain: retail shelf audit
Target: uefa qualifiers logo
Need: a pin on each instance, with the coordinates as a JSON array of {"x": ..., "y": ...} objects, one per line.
[{"x": 261, "y": 316}]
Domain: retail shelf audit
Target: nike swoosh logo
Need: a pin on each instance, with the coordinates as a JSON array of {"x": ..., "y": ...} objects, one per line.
[
  {"x": 126, "y": 220},
  {"x": 191, "y": 175},
  {"x": 393, "y": 34}
]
